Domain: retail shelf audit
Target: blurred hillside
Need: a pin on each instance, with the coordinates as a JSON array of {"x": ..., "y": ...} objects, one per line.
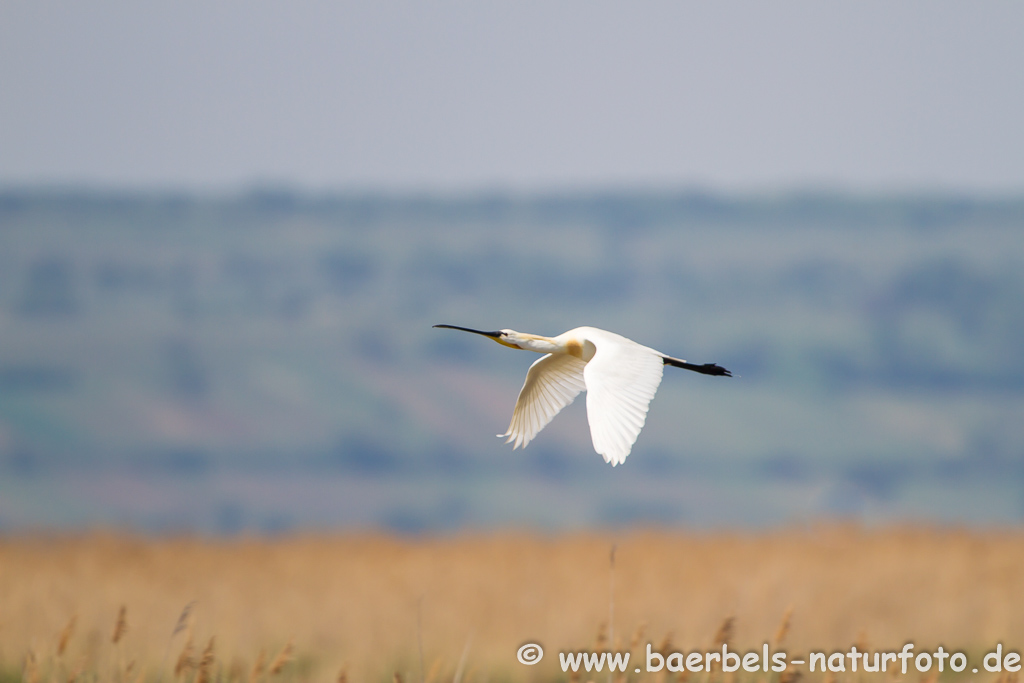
[{"x": 266, "y": 361}]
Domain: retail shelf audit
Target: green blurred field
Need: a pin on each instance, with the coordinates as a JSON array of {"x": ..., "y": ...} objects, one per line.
[
  {"x": 364, "y": 604},
  {"x": 266, "y": 361}
]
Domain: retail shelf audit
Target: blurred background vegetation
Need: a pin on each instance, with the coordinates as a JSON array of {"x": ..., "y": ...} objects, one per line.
[{"x": 265, "y": 361}]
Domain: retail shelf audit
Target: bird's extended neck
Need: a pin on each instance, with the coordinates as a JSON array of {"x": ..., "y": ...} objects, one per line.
[
  {"x": 573, "y": 344},
  {"x": 537, "y": 343}
]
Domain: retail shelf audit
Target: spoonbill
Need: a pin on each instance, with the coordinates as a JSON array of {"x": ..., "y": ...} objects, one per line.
[{"x": 619, "y": 375}]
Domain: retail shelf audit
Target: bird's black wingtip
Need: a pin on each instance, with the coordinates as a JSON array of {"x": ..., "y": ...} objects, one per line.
[
  {"x": 705, "y": 369},
  {"x": 713, "y": 369}
]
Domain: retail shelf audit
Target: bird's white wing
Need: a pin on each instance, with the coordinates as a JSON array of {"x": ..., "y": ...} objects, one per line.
[
  {"x": 551, "y": 384},
  {"x": 621, "y": 380}
]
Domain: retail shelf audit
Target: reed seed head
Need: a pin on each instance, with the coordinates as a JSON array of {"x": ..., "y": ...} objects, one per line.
[
  {"x": 120, "y": 626},
  {"x": 638, "y": 636},
  {"x": 185, "y": 662},
  {"x": 725, "y": 632},
  {"x": 258, "y": 667},
  {"x": 31, "y": 670},
  {"x": 790, "y": 676},
  {"x": 783, "y": 630},
  {"x": 435, "y": 669},
  {"x": 65, "y": 635},
  {"x": 283, "y": 657},
  {"x": 602, "y": 637},
  {"x": 206, "y": 663},
  {"x": 862, "y": 641},
  {"x": 183, "y": 618},
  {"x": 236, "y": 672}
]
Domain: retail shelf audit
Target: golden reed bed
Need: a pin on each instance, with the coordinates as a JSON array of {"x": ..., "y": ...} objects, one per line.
[{"x": 374, "y": 607}]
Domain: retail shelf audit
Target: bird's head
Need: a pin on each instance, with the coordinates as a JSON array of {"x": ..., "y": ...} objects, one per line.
[{"x": 512, "y": 339}]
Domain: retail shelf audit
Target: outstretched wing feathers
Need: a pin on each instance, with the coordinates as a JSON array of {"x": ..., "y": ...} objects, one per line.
[
  {"x": 621, "y": 380},
  {"x": 552, "y": 383}
]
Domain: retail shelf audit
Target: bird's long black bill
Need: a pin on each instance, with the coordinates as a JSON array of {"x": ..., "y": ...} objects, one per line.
[
  {"x": 706, "y": 369},
  {"x": 493, "y": 335}
]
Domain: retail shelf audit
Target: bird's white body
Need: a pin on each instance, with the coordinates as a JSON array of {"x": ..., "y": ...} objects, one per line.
[{"x": 619, "y": 375}]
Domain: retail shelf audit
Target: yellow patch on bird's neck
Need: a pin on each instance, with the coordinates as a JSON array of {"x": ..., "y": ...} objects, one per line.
[
  {"x": 505, "y": 343},
  {"x": 574, "y": 348}
]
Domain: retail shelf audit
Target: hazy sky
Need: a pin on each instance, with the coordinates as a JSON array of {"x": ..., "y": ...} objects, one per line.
[{"x": 521, "y": 95}]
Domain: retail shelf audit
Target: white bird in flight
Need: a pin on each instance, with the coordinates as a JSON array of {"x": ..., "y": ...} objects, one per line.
[{"x": 619, "y": 375}]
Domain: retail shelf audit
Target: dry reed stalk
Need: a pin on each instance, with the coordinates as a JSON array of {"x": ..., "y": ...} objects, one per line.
[
  {"x": 601, "y": 642},
  {"x": 206, "y": 663},
  {"x": 185, "y": 662},
  {"x": 611, "y": 590},
  {"x": 723, "y": 636},
  {"x": 397, "y": 678},
  {"x": 183, "y": 618},
  {"x": 790, "y": 676},
  {"x": 128, "y": 671},
  {"x": 30, "y": 671},
  {"x": 783, "y": 630},
  {"x": 419, "y": 635},
  {"x": 664, "y": 648},
  {"x": 725, "y": 632},
  {"x": 184, "y": 622},
  {"x": 435, "y": 669},
  {"x": 120, "y": 626},
  {"x": 638, "y": 635},
  {"x": 611, "y": 602},
  {"x": 237, "y": 670},
  {"x": 65, "y": 635},
  {"x": 619, "y": 677},
  {"x": 342, "y": 675},
  {"x": 862, "y": 641},
  {"x": 462, "y": 660},
  {"x": 258, "y": 667},
  {"x": 283, "y": 657}
]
